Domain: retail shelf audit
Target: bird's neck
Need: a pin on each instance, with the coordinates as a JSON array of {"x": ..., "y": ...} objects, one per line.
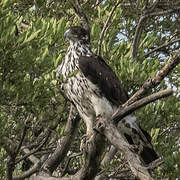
[{"x": 79, "y": 49}]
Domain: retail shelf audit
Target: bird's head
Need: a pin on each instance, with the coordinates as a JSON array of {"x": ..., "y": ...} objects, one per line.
[{"x": 77, "y": 33}]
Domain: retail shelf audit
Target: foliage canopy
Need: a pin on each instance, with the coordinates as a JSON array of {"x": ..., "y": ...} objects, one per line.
[{"x": 32, "y": 46}]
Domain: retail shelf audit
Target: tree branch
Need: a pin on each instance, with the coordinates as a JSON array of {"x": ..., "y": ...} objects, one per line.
[
  {"x": 63, "y": 172},
  {"x": 162, "y": 46},
  {"x": 139, "y": 30},
  {"x": 9, "y": 146},
  {"x": 35, "y": 168},
  {"x": 153, "y": 82},
  {"x": 92, "y": 157},
  {"x": 140, "y": 103},
  {"x": 81, "y": 15},
  {"x": 109, "y": 155},
  {"x": 35, "y": 150},
  {"x": 110, "y": 131},
  {"x": 105, "y": 27},
  {"x": 32, "y": 170},
  {"x": 71, "y": 127},
  {"x": 141, "y": 24},
  {"x": 22, "y": 138},
  {"x": 137, "y": 36}
]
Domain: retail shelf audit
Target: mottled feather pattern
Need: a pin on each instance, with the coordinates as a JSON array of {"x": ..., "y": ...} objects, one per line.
[
  {"x": 99, "y": 73},
  {"x": 91, "y": 85}
]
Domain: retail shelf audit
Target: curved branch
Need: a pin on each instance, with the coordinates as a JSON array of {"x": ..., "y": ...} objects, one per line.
[
  {"x": 137, "y": 36},
  {"x": 32, "y": 170},
  {"x": 141, "y": 24},
  {"x": 139, "y": 30},
  {"x": 64, "y": 171},
  {"x": 35, "y": 150},
  {"x": 142, "y": 102},
  {"x": 71, "y": 126}
]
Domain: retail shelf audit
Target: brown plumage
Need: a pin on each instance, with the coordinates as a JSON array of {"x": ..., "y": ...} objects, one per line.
[{"x": 92, "y": 86}]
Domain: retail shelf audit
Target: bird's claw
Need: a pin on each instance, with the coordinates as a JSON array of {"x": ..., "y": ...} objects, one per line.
[{"x": 85, "y": 142}]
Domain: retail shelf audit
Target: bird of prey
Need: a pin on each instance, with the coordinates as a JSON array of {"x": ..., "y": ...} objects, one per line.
[{"x": 92, "y": 86}]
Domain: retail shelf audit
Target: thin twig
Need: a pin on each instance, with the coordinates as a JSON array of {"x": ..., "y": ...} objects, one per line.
[
  {"x": 137, "y": 36},
  {"x": 155, "y": 163},
  {"x": 81, "y": 15},
  {"x": 139, "y": 30},
  {"x": 162, "y": 46},
  {"x": 105, "y": 28},
  {"x": 68, "y": 161},
  {"x": 141, "y": 24},
  {"x": 35, "y": 150},
  {"x": 23, "y": 136},
  {"x": 97, "y": 3}
]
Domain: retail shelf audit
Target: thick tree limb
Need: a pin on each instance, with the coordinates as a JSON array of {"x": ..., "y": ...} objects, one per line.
[
  {"x": 10, "y": 168},
  {"x": 110, "y": 131},
  {"x": 72, "y": 123},
  {"x": 92, "y": 153},
  {"x": 153, "y": 82},
  {"x": 140, "y": 103}
]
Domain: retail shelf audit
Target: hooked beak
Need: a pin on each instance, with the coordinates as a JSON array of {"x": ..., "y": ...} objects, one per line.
[{"x": 66, "y": 34}]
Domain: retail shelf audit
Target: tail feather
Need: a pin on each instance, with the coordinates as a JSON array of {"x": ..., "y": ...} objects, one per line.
[
  {"x": 148, "y": 155},
  {"x": 146, "y": 151},
  {"x": 135, "y": 135}
]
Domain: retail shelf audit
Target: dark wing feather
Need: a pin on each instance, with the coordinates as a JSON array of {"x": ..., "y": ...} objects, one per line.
[{"x": 99, "y": 73}]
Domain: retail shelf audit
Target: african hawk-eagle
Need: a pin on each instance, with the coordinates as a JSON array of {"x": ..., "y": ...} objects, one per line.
[{"x": 91, "y": 85}]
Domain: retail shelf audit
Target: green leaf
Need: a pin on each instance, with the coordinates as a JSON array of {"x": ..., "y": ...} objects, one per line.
[
  {"x": 54, "y": 26},
  {"x": 57, "y": 60},
  {"x": 99, "y": 12},
  {"x": 30, "y": 38},
  {"x": 46, "y": 51}
]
